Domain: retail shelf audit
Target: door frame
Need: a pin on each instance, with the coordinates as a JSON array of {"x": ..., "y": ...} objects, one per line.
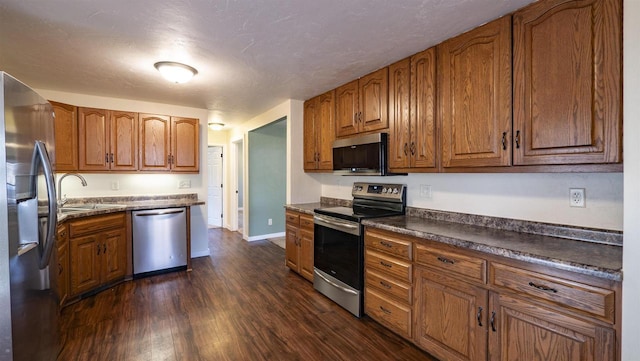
[{"x": 222, "y": 179}]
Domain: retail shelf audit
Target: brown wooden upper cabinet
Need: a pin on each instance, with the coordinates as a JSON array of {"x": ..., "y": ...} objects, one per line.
[
  {"x": 567, "y": 87},
  {"x": 412, "y": 131},
  {"x": 319, "y": 132},
  {"x": 361, "y": 105},
  {"x": 66, "y": 137},
  {"x": 169, "y": 143},
  {"x": 108, "y": 140},
  {"x": 474, "y": 93}
]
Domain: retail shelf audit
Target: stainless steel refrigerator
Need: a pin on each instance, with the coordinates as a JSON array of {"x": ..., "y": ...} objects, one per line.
[{"x": 29, "y": 312}]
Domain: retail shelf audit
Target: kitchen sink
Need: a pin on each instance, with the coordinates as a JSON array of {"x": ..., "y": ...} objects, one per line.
[{"x": 88, "y": 207}]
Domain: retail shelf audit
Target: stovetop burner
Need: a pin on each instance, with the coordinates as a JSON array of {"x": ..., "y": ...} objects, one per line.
[{"x": 369, "y": 201}]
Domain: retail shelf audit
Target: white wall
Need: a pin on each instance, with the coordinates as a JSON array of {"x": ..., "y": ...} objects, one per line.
[
  {"x": 99, "y": 184},
  {"x": 631, "y": 254},
  {"x": 541, "y": 197}
]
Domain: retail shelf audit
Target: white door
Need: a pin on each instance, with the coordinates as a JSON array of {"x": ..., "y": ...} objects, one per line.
[{"x": 214, "y": 188}]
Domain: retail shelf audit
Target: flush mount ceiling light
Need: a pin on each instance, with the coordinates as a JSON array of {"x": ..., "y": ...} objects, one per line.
[
  {"x": 175, "y": 72},
  {"x": 216, "y": 126}
]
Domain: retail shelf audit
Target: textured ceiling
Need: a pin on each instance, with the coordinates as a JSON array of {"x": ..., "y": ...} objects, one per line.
[{"x": 251, "y": 54}]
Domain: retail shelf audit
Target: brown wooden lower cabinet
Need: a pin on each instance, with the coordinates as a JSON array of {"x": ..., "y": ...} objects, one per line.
[
  {"x": 299, "y": 243},
  {"x": 98, "y": 252},
  {"x": 59, "y": 271},
  {"x": 469, "y": 305}
]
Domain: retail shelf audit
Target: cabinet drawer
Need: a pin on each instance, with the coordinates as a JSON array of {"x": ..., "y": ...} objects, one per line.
[
  {"x": 95, "y": 224},
  {"x": 388, "y": 265},
  {"x": 388, "y": 285},
  {"x": 292, "y": 217},
  {"x": 306, "y": 221},
  {"x": 579, "y": 296},
  {"x": 447, "y": 261},
  {"x": 388, "y": 244},
  {"x": 392, "y": 314}
]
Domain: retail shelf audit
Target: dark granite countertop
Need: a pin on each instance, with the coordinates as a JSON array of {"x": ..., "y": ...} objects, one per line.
[
  {"x": 121, "y": 204},
  {"x": 600, "y": 260},
  {"x": 304, "y": 207}
]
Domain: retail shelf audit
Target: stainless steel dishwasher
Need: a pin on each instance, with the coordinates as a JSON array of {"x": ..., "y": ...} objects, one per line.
[{"x": 159, "y": 241}]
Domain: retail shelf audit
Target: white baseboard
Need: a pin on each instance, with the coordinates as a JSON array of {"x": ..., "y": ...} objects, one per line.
[
  {"x": 202, "y": 253},
  {"x": 265, "y": 236}
]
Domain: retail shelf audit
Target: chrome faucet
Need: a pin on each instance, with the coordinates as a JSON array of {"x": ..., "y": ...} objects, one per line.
[{"x": 63, "y": 200}]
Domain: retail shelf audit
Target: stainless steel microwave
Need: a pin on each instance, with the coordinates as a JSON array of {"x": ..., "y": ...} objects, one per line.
[{"x": 361, "y": 155}]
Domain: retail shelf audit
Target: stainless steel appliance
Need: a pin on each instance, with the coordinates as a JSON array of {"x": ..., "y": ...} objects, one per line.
[
  {"x": 361, "y": 155},
  {"x": 159, "y": 241},
  {"x": 29, "y": 327},
  {"x": 339, "y": 241}
]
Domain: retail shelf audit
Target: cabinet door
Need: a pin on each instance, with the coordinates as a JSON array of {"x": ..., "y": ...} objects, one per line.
[
  {"x": 475, "y": 96},
  {"x": 325, "y": 130},
  {"x": 185, "y": 148},
  {"x": 309, "y": 140},
  {"x": 306, "y": 254},
  {"x": 93, "y": 128},
  {"x": 521, "y": 330},
  {"x": 347, "y": 109},
  {"x": 85, "y": 263},
  {"x": 374, "y": 101},
  {"x": 114, "y": 255},
  {"x": 62, "y": 282},
  {"x": 423, "y": 110},
  {"x": 292, "y": 250},
  {"x": 399, "y": 115},
  {"x": 66, "y": 134},
  {"x": 154, "y": 142},
  {"x": 124, "y": 141},
  {"x": 451, "y": 317},
  {"x": 567, "y": 82}
]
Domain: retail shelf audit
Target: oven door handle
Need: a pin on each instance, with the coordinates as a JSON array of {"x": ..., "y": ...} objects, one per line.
[
  {"x": 330, "y": 222},
  {"x": 335, "y": 284}
]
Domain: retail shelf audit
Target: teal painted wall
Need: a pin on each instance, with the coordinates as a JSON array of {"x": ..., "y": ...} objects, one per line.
[{"x": 267, "y": 178}]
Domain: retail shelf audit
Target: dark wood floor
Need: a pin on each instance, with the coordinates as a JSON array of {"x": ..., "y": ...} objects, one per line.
[{"x": 241, "y": 303}]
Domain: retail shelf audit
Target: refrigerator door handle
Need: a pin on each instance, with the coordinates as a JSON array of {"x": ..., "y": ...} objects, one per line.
[{"x": 40, "y": 154}]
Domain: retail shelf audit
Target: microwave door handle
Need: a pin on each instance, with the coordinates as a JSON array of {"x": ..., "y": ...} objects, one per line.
[{"x": 41, "y": 156}]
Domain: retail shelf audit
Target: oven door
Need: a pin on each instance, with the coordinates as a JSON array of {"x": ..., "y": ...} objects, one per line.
[{"x": 338, "y": 262}]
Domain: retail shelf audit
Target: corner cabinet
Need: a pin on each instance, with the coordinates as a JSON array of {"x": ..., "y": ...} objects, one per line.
[
  {"x": 299, "y": 243},
  {"x": 468, "y": 305},
  {"x": 66, "y": 136},
  {"x": 98, "y": 252},
  {"x": 59, "y": 275},
  {"x": 319, "y": 132},
  {"x": 567, "y": 58},
  {"x": 361, "y": 105},
  {"x": 474, "y": 93},
  {"x": 169, "y": 143},
  {"x": 107, "y": 139}
]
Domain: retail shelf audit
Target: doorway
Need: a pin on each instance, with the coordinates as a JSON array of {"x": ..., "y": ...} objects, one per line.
[
  {"x": 238, "y": 170},
  {"x": 214, "y": 186}
]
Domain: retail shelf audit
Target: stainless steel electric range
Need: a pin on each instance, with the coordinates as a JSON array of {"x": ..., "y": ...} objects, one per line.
[{"x": 339, "y": 241}]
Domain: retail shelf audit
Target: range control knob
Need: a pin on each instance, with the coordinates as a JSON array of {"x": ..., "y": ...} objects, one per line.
[{"x": 395, "y": 190}]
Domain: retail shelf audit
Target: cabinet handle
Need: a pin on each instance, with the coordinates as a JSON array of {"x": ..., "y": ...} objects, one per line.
[
  {"x": 385, "y": 264},
  {"x": 386, "y": 244},
  {"x": 111, "y": 157},
  {"x": 479, "y": 316},
  {"x": 504, "y": 140},
  {"x": 446, "y": 260},
  {"x": 413, "y": 148},
  {"x": 360, "y": 117},
  {"x": 106, "y": 157},
  {"x": 406, "y": 149},
  {"x": 518, "y": 139},
  {"x": 104, "y": 249},
  {"x": 59, "y": 269},
  {"x": 385, "y": 310},
  {"x": 385, "y": 285},
  {"x": 543, "y": 288},
  {"x": 493, "y": 321},
  {"x": 98, "y": 250},
  {"x": 63, "y": 234}
]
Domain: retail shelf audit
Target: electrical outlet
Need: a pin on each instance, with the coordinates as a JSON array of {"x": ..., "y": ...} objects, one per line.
[
  {"x": 270, "y": 222},
  {"x": 577, "y": 197},
  {"x": 185, "y": 183},
  {"x": 425, "y": 191},
  {"x": 115, "y": 185}
]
